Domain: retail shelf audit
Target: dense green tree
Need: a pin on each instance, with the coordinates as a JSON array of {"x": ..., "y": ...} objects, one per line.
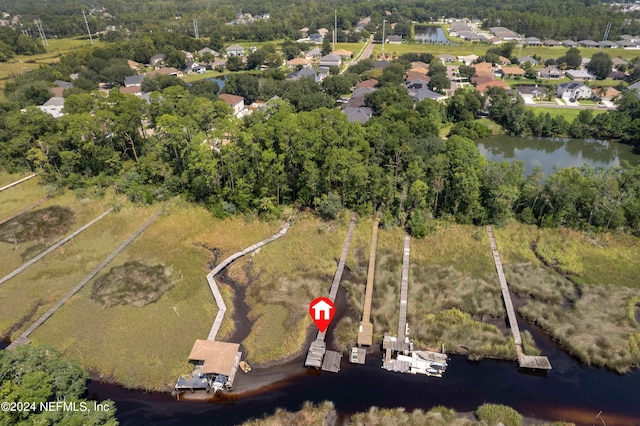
[{"x": 600, "y": 65}]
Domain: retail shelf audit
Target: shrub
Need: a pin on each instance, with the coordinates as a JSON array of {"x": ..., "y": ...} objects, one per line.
[{"x": 494, "y": 414}]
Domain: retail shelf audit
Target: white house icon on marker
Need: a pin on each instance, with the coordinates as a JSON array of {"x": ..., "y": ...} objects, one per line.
[{"x": 324, "y": 307}]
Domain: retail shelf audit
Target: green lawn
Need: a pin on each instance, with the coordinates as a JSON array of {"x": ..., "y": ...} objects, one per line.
[{"x": 569, "y": 114}]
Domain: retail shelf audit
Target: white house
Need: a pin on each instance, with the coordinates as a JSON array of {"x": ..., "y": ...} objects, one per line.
[
  {"x": 235, "y": 102},
  {"x": 574, "y": 90},
  {"x": 235, "y": 50},
  {"x": 53, "y": 107}
]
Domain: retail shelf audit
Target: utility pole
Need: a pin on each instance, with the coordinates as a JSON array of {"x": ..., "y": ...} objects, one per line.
[
  {"x": 195, "y": 29},
  {"x": 43, "y": 37},
  {"x": 335, "y": 28},
  {"x": 606, "y": 35},
  {"x": 87, "y": 24},
  {"x": 384, "y": 21}
]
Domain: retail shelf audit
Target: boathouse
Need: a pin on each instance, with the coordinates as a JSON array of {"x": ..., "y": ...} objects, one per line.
[{"x": 216, "y": 366}]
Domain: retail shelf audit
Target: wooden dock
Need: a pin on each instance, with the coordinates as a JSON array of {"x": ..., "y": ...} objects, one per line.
[
  {"x": 525, "y": 361},
  {"x": 12, "y": 184},
  {"x": 23, "y": 339},
  {"x": 52, "y": 248},
  {"x": 222, "y": 308},
  {"x": 404, "y": 289},
  {"x": 365, "y": 331},
  {"x": 317, "y": 349}
]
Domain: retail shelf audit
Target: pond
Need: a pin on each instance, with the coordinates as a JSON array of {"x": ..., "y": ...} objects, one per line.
[
  {"x": 555, "y": 153},
  {"x": 430, "y": 34}
]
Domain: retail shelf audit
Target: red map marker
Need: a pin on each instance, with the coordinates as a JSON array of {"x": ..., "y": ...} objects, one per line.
[{"x": 321, "y": 311}]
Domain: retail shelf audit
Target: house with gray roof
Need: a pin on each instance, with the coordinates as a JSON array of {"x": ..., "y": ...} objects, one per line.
[
  {"x": 133, "y": 80},
  {"x": 358, "y": 114},
  {"x": 532, "y": 41},
  {"x": 579, "y": 75},
  {"x": 316, "y": 38},
  {"x": 574, "y": 90},
  {"x": 627, "y": 44},
  {"x": 569, "y": 43},
  {"x": 53, "y": 107},
  {"x": 588, "y": 43},
  {"x": 306, "y": 72},
  {"x": 156, "y": 59},
  {"x": 419, "y": 91},
  {"x": 330, "y": 61},
  {"x": 394, "y": 39},
  {"x": 529, "y": 59},
  {"x": 206, "y": 50},
  {"x": 314, "y": 53},
  {"x": 550, "y": 73},
  {"x": 235, "y": 50}
]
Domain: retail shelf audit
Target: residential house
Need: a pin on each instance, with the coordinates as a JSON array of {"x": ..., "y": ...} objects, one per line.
[
  {"x": 585, "y": 62},
  {"x": 330, "y": 61},
  {"x": 358, "y": 114},
  {"x": 394, "y": 39},
  {"x": 533, "y": 91},
  {"x": 627, "y": 44},
  {"x": 532, "y": 41},
  {"x": 550, "y": 73},
  {"x": 419, "y": 65},
  {"x": 573, "y": 90},
  {"x": 608, "y": 44},
  {"x": 419, "y": 91},
  {"x": 484, "y": 69},
  {"x": 372, "y": 82},
  {"x": 617, "y": 75},
  {"x": 304, "y": 32},
  {"x": 295, "y": 62},
  {"x": 316, "y": 38},
  {"x": 579, "y": 75},
  {"x": 188, "y": 56},
  {"x": 504, "y": 33},
  {"x": 133, "y": 80},
  {"x": 446, "y": 58},
  {"x": 477, "y": 81},
  {"x": 307, "y": 72},
  {"x": 134, "y": 65},
  {"x": 635, "y": 87},
  {"x": 588, "y": 43},
  {"x": 134, "y": 90},
  {"x": 494, "y": 40},
  {"x": 357, "y": 97},
  {"x": 53, "y": 107},
  {"x": 513, "y": 72},
  {"x": 411, "y": 76},
  {"x": 618, "y": 61},
  {"x": 235, "y": 50},
  {"x": 504, "y": 60},
  {"x": 323, "y": 32},
  {"x": 206, "y": 50},
  {"x": 551, "y": 43},
  {"x": 314, "y": 53},
  {"x": 156, "y": 60},
  {"x": 468, "y": 60},
  {"x": 235, "y": 102},
  {"x": 529, "y": 59},
  {"x": 605, "y": 93},
  {"x": 343, "y": 53},
  {"x": 165, "y": 71},
  {"x": 569, "y": 43},
  {"x": 482, "y": 88},
  {"x": 219, "y": 64}
]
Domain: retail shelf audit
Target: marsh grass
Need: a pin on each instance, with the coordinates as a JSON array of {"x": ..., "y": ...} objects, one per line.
[
  {"x": 133, "y": 283},
  {"x": 148, "y": 346},
  {"x": 42, "y": 225},
  {"x": 309, "y": 414},
  {"x": 528, "y": 344},
  {"x": 345, "y": 334},
  {"x": 598, "y": 329},
  {"x": 494, "y": 414},
  {"x": 539, "y": 283},
  {"x": 285, "y": 277}
]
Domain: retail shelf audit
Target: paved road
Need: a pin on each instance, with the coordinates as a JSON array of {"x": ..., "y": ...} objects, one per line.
[{"x": 365, "y": 55}]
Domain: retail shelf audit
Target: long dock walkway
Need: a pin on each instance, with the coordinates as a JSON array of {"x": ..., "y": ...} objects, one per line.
[
  {"x": 404, "y": 289},
  {"x": 222, "y": 308},
  {"x": 23, "y": 339},
  {"x": 365, "y": 331},
  {"x": 318, "y": 348},
  {"x": 12, "y": 184},
  {"x": 23, "y": 211},
  {"x": 52, "y": 248},
  {"x": 526, "y": 361}
]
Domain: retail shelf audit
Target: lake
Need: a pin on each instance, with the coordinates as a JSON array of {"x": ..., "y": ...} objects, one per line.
[
  {"x": 550, "y": 154},
  {"x": 430, "y": 34}
]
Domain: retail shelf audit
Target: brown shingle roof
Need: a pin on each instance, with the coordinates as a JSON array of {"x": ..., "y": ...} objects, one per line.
[{"x": 218, "y": 357}]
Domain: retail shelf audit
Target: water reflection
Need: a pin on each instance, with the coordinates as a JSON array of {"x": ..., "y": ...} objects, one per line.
[
  {"x": 550, "y": 154},
  {"x": 430, "y": 34}
]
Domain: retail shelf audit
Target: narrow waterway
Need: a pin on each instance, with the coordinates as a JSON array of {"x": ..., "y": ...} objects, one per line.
[{"x": 571, "y": 392}]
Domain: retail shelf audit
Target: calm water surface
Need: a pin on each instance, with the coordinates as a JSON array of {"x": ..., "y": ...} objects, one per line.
[
  {"x": 430, "y": 34},
  {"x": 555, "y": 153}
]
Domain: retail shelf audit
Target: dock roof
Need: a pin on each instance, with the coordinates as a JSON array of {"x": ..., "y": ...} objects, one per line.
[{"x": 218, "y": 357}]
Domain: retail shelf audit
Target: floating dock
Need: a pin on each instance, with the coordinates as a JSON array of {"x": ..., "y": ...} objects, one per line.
[{"x": 525, "y": 361}]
